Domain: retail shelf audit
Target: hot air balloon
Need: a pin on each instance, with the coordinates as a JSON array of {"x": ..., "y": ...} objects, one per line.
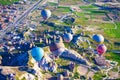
[
  {"x": 57, "y": 48},
  {"x": 98, "y": 38},
  {"x": 45, "y": 14},
  {"x": 101, "y": 49},
  {"x": 43, "y": 61},
  {"x": 67, "y": 37},
  {"x": 37, "y": 53}
]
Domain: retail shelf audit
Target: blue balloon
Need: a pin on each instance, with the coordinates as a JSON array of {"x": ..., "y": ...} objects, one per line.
[
  {"x": 67, "y": 37},
  {"x": 45, "y": 14},
  {"x": 98, "y": 38},
  {"x": 37, "y": 53}
]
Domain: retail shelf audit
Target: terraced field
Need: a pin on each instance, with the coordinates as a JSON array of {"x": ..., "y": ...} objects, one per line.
[{"x": 114, "y": 33}]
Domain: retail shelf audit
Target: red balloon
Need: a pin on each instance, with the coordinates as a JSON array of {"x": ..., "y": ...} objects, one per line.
[{"x": 101, "y": 49}]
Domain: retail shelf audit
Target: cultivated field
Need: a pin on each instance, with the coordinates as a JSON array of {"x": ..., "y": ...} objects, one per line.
[{"x": 7, "y": 2}]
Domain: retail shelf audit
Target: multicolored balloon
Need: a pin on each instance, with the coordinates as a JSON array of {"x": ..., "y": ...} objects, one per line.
[
  {"x": 101, "y": 49},
  {"x": 46, "y": 14},
  {"x": 98, "y": 38},
  {"x": 57, "y": 48},
  {"x": 37, "y": 53},
  {"x": 67, "y": 37}
]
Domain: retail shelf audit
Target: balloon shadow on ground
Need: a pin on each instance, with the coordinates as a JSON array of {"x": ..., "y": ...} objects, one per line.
[{"x": 27, "y": 69}]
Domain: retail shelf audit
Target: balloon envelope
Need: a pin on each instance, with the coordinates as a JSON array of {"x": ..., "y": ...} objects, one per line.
[
  {"x": 57, "y": 48},
  {"x": 67, "y": 37},
  {"x": 98, "y": 38},
  {"x": 45, "y": 14},
  {"x": 101, "y": 49},
  {"x": 37, "y": 53}
]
